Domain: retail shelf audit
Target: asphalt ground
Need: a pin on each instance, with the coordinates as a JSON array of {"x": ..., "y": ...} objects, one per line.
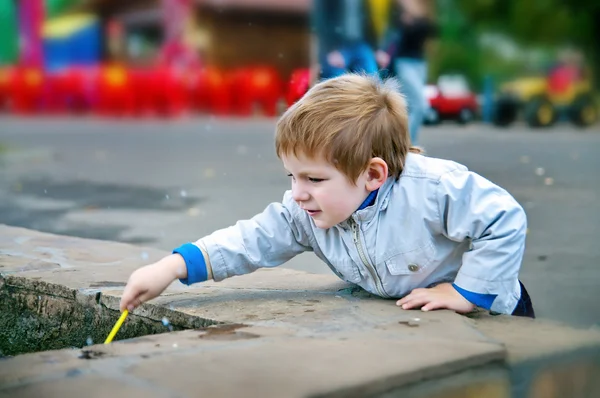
[{"x": 163, "y": 183}]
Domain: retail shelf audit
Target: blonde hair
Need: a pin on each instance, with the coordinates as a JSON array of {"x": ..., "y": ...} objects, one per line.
[{"x": 349, "y": 120}]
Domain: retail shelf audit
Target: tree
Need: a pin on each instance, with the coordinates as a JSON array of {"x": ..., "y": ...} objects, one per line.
[{"x": 541, "y": 24}]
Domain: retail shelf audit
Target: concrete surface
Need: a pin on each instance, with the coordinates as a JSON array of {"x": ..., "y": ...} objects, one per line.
[
  {"x": 163, "y": 183},
  {"x": 273, "y": 333}
]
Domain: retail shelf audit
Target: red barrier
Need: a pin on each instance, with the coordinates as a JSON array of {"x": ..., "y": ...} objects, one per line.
[
  {"x": 79, "y": 96},
  {"x": 67, "y": 91},
  {"x": 142, "y": 85},
  {"x": 27, "y": 91},
  {"x": 171, "y": 98},
  {"x": 159, "y": 92},
  {"x": 256, "y": 86},
  {"x": 241, "y": 92},
  {"x": 210, "y": 91},
  {"x": 115, "y": 94},
  {"x": 55, "y": 93},
  {"x": 6, "y": 76},
  {"x": 114, "y": 90},
  {"x": 298, "y": 85}
]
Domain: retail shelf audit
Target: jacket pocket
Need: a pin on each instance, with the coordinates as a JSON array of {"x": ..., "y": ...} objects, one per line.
[{"x": 416, "y": 261}]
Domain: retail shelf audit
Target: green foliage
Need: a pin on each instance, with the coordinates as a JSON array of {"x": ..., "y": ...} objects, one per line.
[
  {"x": 543, "y": 25},
  {"x": 56, "y": 7}
]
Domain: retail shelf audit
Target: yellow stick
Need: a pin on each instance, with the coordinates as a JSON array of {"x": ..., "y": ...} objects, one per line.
[{"x": 115, "y": 329}]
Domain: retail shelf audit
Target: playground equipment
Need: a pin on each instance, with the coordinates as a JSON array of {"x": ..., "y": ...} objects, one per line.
[
  {"x": 565, "y": 93},
  {"x": 451, "y": 99}
]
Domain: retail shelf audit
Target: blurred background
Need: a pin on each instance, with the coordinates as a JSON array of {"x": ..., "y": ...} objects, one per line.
[
  {"x": 151, "y": 121},
  {"x": 496, "y": 60}
]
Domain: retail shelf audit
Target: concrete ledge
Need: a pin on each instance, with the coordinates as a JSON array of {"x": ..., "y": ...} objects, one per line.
[{"x": 273, "y": 333}]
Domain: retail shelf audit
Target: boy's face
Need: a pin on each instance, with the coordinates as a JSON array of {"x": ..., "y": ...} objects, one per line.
[{"x": 323, "y": 191}]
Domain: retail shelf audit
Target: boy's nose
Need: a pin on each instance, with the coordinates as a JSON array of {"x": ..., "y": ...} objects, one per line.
[{"x": 299, "y": 194}]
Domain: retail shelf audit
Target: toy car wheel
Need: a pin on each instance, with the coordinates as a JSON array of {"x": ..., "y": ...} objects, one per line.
[
  {"x": 432, "y": 116},
  {"x": 540, "y": 112},
  {"x": 584, "y": 111},
  {"x": 465, "y": 116},
  {"x": 505, "y": 113}
]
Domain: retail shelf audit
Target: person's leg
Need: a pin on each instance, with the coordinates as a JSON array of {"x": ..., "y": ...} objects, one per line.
[
  {"x": 524, "y": 306},
  {"x": 412, "y": 74}
]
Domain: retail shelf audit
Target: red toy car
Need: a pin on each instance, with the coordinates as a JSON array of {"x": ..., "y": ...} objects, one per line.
[{"x": 452, "y": 99}]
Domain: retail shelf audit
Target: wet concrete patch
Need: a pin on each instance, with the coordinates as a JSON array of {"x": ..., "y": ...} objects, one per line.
[
  {"x": 229, "y": 332},
  {"x": 49, "y": 201},
  {"x": 95, "y": 195},
  {"x": 91, "y": 354},
  {"x": 13, "y": 213}
]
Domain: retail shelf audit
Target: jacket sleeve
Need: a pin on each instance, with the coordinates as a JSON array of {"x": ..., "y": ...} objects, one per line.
[
  {"x": 266, "y": 240},
  {"x": 472, "y": 208}
]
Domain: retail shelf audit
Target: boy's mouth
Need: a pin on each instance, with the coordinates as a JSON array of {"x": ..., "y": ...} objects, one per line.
[{"x": 313, "y": 212}]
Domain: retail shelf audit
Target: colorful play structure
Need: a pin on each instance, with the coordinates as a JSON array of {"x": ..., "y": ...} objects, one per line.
[{"x": 59, "y": 68}]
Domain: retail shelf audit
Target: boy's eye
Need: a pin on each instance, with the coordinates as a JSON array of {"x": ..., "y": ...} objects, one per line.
[{"x": 313, "y": 180}]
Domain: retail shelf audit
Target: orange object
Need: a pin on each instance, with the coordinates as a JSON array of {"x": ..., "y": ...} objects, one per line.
[{"x": 114, "y": 90}]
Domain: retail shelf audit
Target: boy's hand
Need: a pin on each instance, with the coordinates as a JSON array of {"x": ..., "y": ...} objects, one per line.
[
  {"x": 442, "y": 296},
  {"x": 150, "y": 281}
]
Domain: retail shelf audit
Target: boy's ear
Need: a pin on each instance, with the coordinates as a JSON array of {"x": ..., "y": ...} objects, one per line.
[{"x": 377, "y": 173}]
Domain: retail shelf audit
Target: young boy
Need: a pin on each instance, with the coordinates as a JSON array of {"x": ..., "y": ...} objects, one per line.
[{"x": 376, "y": 211}]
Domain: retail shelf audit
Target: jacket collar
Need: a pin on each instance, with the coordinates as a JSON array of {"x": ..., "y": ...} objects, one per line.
[{"x": 368, "y": 213}]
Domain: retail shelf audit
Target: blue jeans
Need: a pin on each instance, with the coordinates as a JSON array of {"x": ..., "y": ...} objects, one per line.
[
  {"x": 524, "y": 306},
  {"x": 412, "y": 74},
  {"x": 359, "y": 57}
]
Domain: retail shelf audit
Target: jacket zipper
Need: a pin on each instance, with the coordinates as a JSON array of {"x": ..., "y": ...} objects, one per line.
[{"x": 363, "y": 257}]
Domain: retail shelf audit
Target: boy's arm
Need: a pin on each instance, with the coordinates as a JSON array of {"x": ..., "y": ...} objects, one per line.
[
  {"x": 471, "y": 207},
  {"x": 266, "y": 240}
]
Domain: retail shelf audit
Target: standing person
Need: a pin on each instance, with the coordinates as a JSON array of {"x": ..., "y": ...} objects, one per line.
[
  {"x": 344, "y": 31},
  {"x": 406, "y": 56}
]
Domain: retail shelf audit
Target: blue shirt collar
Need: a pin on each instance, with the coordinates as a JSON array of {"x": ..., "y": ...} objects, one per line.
[{"x": 370, "y": 200}]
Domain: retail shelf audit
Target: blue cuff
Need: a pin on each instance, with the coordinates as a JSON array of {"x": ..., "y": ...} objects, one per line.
[
  {"x": 194, "y": 261},
  {"x": 480, "y": 300}
]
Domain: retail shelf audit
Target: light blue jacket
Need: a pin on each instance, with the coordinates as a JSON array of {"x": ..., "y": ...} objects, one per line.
[{"x": 437, "y": 223}]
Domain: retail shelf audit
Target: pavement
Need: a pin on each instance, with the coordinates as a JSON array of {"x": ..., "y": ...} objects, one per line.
[
  {"x": 274, "y": 333},
  {"x": 163, "y": 183}
]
